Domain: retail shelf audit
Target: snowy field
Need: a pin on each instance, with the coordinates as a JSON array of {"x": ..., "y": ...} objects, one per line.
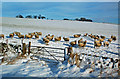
[{"x": 37, "y": 67}]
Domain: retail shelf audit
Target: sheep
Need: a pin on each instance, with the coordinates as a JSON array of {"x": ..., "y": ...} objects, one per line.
[
  {"x": 96, "y": 37},
  {"x": 34, "y": 32},
  {"x": 57, "y": 38},
  {"x": 106, "y": 43},
  {"x": 81, "y": 40},
  {"x": 11, "y": 35},
  {"x": 17, "y": 33},
  {"x": 46, "y": 40},
  {"x": 2, "y": 36},
  {"x": 97, "y": 43},
  {"x": 66, "y": 39},
  {"x": 90, "y": 35},
  {"x": 36, "y": 36},
  {"x": 103, "y": 37},
  {"x": 77, "y": 35},
  {"x": 110, "y": 40},
  {"x": 82, "y": 44},
  {"x": 101, "y": 40},
  {"x": 73, "y": 43},
  {"x": 39, "y": 33},
  {"x": 21, "y": 36},
  {"x": 31, "y": 34},
  {"x": 114, "y": 38},
  {"x": 50, "y": 37},
  {"x": 28, "y": 36},
  {"x": 85, "y": 34}
]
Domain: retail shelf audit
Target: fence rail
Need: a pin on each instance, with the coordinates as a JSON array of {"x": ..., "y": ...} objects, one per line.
[{"x": 48, "y": 47}]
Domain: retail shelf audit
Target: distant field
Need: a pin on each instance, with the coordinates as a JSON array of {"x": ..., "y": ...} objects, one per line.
[{"x": 56, "y": 26}]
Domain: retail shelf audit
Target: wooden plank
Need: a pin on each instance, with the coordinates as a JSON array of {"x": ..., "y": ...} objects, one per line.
[
  {"x": 64, "y": 54},
  {"x": 55, "y": 52},
  {"x": 50, "y": 60},
  {"x": 55, "y": 56},
  {"x": 48, "y": 47}
]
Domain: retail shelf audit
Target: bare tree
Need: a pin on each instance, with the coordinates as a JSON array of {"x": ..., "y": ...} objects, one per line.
[
  {"x": 28, "y": 16},
  {"x": 35, "y": 16},
  {"x": 39, "y": 17},
  {"x": 65, "y": 19},
  {"x": 77, "y": 19},
  {"x": 43, "y": 17},
  {"x": 19, "y": 16}
]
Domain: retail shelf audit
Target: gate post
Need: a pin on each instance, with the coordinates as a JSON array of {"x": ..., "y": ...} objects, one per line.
[
  {"x": 24, "y": 48},
  {"x": 70, "y": 50},
  {"x": 29, "y": 48},
  {"x": 64, "y": 54},
  {"x": 67, "y": 50}
]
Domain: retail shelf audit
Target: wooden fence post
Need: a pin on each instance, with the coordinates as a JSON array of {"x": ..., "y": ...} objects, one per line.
[
  {"x": 24, "y": 48},
  {"x": 3, "y": 49},
  {"x": 29, "y": 48},
  {"x": 2, "y": 61},
  {"x": 69, "y": 50},
  {"x": 64, "y": 54},
  {"x": 119, "y": 67}
]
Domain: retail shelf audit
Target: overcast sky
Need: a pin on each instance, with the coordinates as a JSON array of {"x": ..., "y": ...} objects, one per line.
[{"x": 99, "y": 12}]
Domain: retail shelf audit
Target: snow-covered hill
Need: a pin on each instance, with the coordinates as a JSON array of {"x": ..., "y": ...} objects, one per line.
[{"x": 32, "y": 68}]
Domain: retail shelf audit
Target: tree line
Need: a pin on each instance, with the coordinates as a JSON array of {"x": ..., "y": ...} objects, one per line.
[
  {"x": 30, "y": 16},
  {"x": 43, "y": 17},
  {"x": 79, "y": 19}
]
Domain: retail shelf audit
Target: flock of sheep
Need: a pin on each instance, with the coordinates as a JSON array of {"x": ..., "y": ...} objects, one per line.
[{"x": 98, "y": 39}]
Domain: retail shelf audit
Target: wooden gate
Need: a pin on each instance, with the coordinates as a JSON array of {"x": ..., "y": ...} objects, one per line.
[{"x": 50, "y": 53}]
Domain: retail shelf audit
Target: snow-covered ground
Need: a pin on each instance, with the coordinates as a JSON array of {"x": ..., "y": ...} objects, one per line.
[{"x": 32, "y": 68}]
